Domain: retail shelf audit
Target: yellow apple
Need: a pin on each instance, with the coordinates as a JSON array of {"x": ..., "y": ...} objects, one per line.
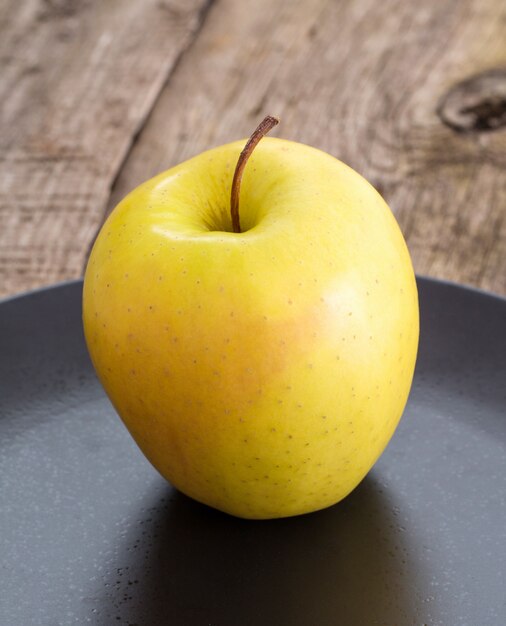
[{"x": 261, "y": 372}]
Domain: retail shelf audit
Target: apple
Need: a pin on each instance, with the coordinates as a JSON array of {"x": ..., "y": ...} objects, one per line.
[{"x": 260, "y": 354}]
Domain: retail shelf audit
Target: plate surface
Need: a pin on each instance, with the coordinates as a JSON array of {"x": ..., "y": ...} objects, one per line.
[{"x": 90, "y": 533}]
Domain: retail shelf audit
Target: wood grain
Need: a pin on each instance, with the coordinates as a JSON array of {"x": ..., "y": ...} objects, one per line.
[
  {"x": 78, "y": 80},
  {"x": 362, "y": 80},
  {"x": 401, "y": 91}
]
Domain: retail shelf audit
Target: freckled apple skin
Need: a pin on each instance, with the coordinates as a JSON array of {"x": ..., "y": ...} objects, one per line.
[{"x": 262, "y": 373}]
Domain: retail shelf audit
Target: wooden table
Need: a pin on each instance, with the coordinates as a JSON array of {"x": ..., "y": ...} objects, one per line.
[{"x": 97, "y": 96}]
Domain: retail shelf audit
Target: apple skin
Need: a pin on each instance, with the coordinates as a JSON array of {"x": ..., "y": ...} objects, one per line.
[{"x": 262, "y": 373}]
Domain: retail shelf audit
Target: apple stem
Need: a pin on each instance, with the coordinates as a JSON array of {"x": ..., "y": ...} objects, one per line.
[{"x": 260, "y": 131}]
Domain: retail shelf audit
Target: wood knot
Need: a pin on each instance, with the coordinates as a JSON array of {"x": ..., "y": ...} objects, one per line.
[{"x": 477, "y": 104}]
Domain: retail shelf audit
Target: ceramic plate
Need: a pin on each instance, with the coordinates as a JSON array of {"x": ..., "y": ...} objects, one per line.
[{"x": 90, "y": 533}]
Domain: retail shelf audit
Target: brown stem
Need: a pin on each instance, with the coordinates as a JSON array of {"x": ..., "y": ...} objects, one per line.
[{"x": 261, "y": 130}]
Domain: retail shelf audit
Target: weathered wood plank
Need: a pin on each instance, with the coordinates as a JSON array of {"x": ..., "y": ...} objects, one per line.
[
  {"x": 78, "y": 80},
  {"x": 362, "y": 80}
]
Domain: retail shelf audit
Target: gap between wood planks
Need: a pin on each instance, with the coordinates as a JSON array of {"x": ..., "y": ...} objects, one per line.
[
  {"x": 142, "y": 124},
  {"x": 77, "y": 83}
]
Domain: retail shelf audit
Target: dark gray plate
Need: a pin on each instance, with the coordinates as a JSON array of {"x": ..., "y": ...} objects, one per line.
[{"x": 91, "y": 534}]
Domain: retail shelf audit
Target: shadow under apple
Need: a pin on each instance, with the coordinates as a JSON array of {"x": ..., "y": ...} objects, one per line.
[{"x": 187, "y": 564}]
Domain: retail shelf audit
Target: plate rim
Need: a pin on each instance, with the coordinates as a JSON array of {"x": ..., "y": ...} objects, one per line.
[{"x": 419, "y": 277}]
